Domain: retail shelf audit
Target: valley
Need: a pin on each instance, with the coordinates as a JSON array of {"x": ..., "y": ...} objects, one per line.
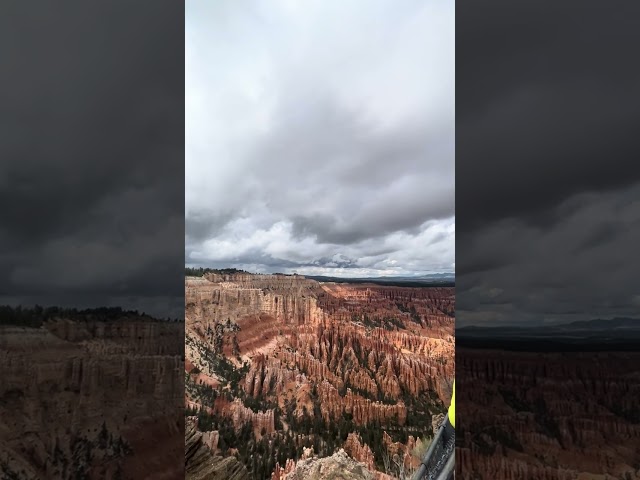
[{"x": 281, "y": 369}]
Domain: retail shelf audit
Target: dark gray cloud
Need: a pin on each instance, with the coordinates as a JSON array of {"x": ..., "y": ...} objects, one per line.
[
  {"x": 545, "y": 106},
  {"x": 547, "y": 180},
  {"x": 308, "y": 143},
  {"x": 91, "y": 140},
  {"x": 581, "y": 268}
]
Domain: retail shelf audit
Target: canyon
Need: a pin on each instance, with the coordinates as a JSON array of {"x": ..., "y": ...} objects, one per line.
[
  {"x": 548, "y": 415},
  {"x": 85, "y": 397},
  {"x": 279, "y": 364}
]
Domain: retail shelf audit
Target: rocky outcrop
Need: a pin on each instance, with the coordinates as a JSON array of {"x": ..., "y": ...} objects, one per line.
[
  {"x": 202, "y": 464},
  {"x": 436, "y": 421},
  {"x": 261, "y": 421},
  {"x": 211, "y": 439},
  {"x": 409, "y": 453},
  {"x": 548, "y": 415},
  {"x": 338, "y": 467},
  {"x": 288, "y": 300},
  {"x": 280, "y": 473},
  {"x": 359, "y": 451}
]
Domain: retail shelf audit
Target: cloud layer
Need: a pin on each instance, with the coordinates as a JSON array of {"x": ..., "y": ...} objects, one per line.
[
  {"x": 547, "y": 178},
  {"x": 320, "y": 139},
  {"x": 91, "y": 178}
]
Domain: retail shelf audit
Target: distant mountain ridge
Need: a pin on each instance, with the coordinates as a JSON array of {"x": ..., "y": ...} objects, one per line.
[
  {"x": 443, "y": 279},
  {"x": 578, "y": 325},
  {"x": 617, "y": 322},
  {"x": 429, "y": 280},
  {"x": 620, "y": 333}
]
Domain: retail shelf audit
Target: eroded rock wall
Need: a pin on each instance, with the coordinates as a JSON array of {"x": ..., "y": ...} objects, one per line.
[
  {"x": 549, "y": 415},
  {"x": 85, "y": 396}
]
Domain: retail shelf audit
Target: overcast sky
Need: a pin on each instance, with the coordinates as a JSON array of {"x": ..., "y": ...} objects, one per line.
[
  {"x": 547, "y": 170},
  {"x": 320, "y": 136},
  {"x": 91, "y": 188}
]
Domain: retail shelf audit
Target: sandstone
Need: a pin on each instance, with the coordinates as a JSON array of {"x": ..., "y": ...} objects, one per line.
[
  {"x": 201, "y": 464},
  {"x": 260, "y": 420},
  {"x": 353, "y": 352},
  {"x": 356, "y": 450},
  {"x": 338, "y": 467},
  {"x": 437, "y": 421}
]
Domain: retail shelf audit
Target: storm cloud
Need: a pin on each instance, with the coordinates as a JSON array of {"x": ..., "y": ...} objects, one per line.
[
  {"x": 92, "y": 146},
  {"x": 320, "y": 137},
  {"x": 548, "y": 180}
]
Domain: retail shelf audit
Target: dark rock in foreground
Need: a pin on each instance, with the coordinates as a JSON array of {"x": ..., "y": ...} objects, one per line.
[{"x": 201, "y": 464}]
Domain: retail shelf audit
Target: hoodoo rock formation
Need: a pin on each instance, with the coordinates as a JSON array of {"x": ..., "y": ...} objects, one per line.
[
  {"x": 261, "y": 421},
  {"x": 92, "y": 399},
  {"x": 282, "y": 363},
  {"x": 363, "y": 410},
  {"x": 356, "y": 450},
  {"x": 551, "y": 416}
]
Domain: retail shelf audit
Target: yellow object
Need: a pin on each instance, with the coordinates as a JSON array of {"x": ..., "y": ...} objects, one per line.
[{"x": 452, "y": 407}]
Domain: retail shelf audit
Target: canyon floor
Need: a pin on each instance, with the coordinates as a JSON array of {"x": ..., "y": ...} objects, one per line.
[
  {"x": 90, "y": 395},
  {"x": 283, "y": 373},
  {"x": 548, "y": 415}
]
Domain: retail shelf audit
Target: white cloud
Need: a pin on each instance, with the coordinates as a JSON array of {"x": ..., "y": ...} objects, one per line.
[{"x": 319, "y": 128}]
